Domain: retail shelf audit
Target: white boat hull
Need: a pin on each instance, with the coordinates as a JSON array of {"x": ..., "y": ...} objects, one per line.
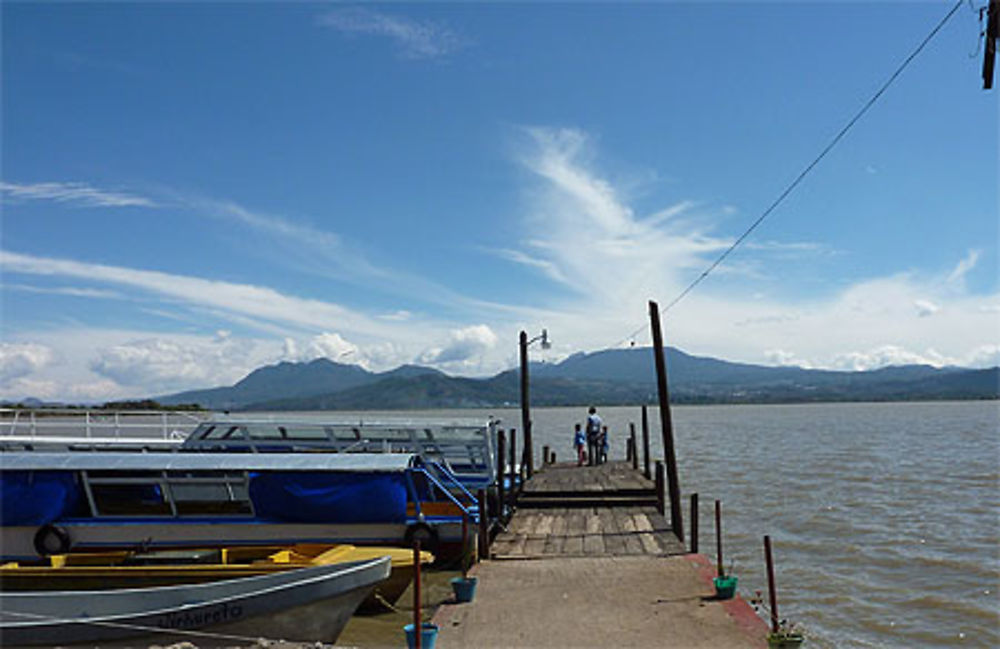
[{"x": 307, "y": 605}]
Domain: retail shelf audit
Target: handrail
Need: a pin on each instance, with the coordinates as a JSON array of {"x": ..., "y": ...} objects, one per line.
[
  {"x": 87, "y": 424},
  {"x": 471, "y": 510}
]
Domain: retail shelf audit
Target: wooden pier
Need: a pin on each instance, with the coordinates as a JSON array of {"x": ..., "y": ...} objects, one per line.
[{"x": 588, "y": 559}]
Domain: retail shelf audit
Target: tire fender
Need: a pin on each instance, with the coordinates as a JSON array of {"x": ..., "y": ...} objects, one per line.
[
  {"x": 426, "y": 534},
  {"x": 50, "y": 540}
]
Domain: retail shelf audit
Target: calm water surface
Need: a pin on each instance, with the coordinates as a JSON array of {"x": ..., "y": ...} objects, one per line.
[{"x": 885, "y": 518}]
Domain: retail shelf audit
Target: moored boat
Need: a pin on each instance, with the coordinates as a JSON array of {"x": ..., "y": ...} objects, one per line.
[
  {"x": 146, "y": 569},
  {"x": 53, "y": 503},
  {"x": 311, "y": 604}
]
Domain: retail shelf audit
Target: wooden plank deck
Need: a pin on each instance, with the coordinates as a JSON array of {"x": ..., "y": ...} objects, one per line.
[{"x": 569, "y": 511}]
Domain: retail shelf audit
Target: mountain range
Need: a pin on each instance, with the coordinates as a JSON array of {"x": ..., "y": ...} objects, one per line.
[{"x": 609, "y": 377}]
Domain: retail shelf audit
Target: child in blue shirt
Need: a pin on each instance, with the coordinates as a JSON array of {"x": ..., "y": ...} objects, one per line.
[{"x": 579, "y": 441}]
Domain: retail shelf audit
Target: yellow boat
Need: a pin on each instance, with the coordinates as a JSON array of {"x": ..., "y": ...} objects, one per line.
[{"x": 138, "y": 569}]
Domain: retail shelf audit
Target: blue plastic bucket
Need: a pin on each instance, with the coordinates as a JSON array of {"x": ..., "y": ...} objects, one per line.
[
  {"x": 725, "y": 587},
  {"x": 465, "y": 588},
  {"x": 428, "y": 635}
]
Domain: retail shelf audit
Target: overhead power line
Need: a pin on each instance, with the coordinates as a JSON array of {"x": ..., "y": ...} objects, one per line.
[{"x": 791, "y": 187}]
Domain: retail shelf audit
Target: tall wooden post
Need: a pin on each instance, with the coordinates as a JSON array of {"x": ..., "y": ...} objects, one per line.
[
  {"x": 501, "y": 473},
  {"x": 418, "y": 623},
  {"x": 513, "y": 468},
  {"x": 694, "y": 523},
  {"x": 645, "y": 444},
  {"x": 635, "y": 451},
  {"x": 719, "y": 566},
  {"x": 673, "y": 486},
  {"x": 660, "y": 507},
  {"x": 525, "y": 406},
  {"x": 484, "y": 525},
  {"x": 771, "y": 592}
]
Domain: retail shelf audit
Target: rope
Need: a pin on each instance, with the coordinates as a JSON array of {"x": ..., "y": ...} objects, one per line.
[{"x": 788, "y": 190}]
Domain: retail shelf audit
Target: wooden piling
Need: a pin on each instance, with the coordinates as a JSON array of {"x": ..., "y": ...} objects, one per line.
[
  {"x": 628, "y": 449},
  {"x": 501, "y": 473},
  {"x": 417, "y": 616},
  {"x": 676, "y": 520},
  {"x": 545, "y": 455},
  {"x": 694, "y": 523},
  {"x": 645, "y": 444},
  {"x": 525, "y": 401},
  {"x": 720, "y": 568},
  {"x": 635, "y": 452},
  {"x": 660, "y": 505},
  {"x": 772, "y": 594},
  {"x": 484, "y": 525},
  {"x": 465, "y": 544},
  {"x": 514, "y": 469}
]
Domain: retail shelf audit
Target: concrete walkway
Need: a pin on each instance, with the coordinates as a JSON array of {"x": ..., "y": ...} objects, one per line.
[{"x": 616, "y": 601}]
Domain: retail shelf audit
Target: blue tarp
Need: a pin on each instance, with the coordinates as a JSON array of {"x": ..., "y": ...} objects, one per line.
[
  {"x": 36, "y": 497},
  {"x": 329, "y": 497}
]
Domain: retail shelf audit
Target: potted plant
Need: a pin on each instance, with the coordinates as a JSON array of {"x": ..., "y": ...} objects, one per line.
[{"x": 786, "y": 635}]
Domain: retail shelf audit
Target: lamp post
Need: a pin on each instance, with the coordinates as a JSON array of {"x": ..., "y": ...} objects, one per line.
[{"x": 525, "y": 412}]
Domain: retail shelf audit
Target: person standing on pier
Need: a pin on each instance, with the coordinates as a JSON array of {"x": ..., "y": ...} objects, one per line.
[
  {"x": 580, "y": 442},
  {"x": 593, "y": 436}
]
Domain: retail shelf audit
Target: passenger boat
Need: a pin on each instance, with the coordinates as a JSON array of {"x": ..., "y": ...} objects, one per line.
[
  {"x": 145, "y": 569},
  {"x": 464, "y": 449},
  {"x": 51, "y": 503},
  {"x": 311, "y": 604}
]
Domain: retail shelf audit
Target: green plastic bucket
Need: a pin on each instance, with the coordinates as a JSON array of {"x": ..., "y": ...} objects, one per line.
[{"x": 725, "y": 587}]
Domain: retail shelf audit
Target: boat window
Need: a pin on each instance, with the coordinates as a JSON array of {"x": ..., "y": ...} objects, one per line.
[
  {"x": 129, "y": 499},
  {"x": 265, "y": 432},
  {"x": 306, "y": 433},
  {"x": 202, "y": 432},
  {"x": 221, "y": 432},
  {"x": 216, "y": 494},
  {"x": 345, "y": 434}
]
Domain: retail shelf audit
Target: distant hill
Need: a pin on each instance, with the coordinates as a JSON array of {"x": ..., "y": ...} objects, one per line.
[{"x": 610, "y": 377}]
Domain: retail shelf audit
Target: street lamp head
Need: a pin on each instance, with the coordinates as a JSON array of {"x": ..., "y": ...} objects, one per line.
[{"x": 545, "y": 339}]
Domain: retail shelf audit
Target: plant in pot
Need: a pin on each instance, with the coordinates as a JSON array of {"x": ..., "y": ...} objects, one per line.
[{"x": 785, "y": 635}]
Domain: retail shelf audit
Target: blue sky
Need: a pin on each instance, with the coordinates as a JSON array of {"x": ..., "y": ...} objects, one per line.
[{"x": 191, "y": 191}]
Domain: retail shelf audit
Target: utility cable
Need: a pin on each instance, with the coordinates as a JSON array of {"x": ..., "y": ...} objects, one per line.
[{"x": 788, "y": 190}]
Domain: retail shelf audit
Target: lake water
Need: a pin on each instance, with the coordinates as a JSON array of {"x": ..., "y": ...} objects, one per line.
[{"x": 884, "y": 518}]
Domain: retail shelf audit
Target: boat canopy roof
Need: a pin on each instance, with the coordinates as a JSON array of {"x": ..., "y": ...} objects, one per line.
[{"x": 125, "y": 461}]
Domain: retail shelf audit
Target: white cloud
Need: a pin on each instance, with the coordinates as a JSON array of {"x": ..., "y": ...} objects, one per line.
[
  {"x": 239, "y": 300},
  {"x": 885, "y": 356},
  {"x": 964, "y": 266},
  {"x": 926, "y": 308},
  {"x": 785, "y": 359},
  {"x": 70, "y": 291},
  {"x": 18, "y": 360},
  {"x": 465, "y": 348},
  {"x": 75, "y": 193},
  {"x": 162, "y": 364},
  {"x": 332, "y": 346},
  {"x": 415, "y": 39}
]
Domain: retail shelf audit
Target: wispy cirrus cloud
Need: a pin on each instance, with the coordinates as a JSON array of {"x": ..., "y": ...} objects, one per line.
[
  {"x": 416, "y": 39},
  {"x": 240, "y": 300},
  {"x": 73, "y": 193}
]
